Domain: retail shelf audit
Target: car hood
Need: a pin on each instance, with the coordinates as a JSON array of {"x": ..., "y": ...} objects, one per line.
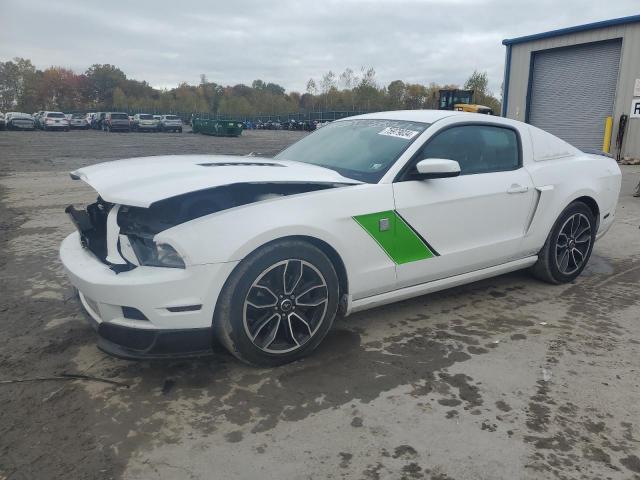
[{"x": 140, "y": 182}]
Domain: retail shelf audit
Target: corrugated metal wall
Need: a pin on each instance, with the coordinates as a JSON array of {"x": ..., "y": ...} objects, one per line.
[{"x": 628, "y": 72}]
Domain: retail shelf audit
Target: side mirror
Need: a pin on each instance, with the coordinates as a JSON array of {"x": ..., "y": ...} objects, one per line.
[{"x": 437, "y": 168}]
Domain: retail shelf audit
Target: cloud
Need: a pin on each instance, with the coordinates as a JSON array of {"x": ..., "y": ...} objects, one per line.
[{"x": 285, "y": 41}]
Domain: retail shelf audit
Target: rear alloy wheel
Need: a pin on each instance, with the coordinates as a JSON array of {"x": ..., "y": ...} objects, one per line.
[
  {"x": 569, "y": 245},
  {"x": 278, "y": 304},
  {"x": 573, "y": 244}
]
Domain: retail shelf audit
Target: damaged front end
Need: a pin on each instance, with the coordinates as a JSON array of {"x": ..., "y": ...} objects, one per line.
[
  {"x": 91, "y": 223},
  {"x": 122, "y": 236}
]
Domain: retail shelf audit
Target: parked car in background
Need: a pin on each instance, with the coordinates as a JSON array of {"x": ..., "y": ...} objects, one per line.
[
  {"x": 116, "y": 122},
  {"x": 54, "y": 121},
  {"x": 170, "y": 123},
  {"x": 98, "y": 118},
  {"x": 272, "y": 125},
  {"x": 37, "y": 118},
  {"x": 79, "y": 120},
  {"x": 2, "y": 121},
  {"x": 157, "y": 117},
  {"x": 144, "y": 122},
  {"x": 19, "y": 121}
]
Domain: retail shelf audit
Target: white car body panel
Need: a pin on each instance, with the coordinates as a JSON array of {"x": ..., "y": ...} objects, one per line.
[
  {"x": 472, "y": 221},
  {"x": 232, "y": 236},
  {"x": 479, "y": 225}
]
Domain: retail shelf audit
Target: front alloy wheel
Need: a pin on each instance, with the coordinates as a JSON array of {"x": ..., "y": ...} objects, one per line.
[
  {"x": 278, "y": 304},
  {"x": 285, "y": 306}
]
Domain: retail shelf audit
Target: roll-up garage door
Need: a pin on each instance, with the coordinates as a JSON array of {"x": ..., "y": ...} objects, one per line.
[{"x": 573, "y": 89}]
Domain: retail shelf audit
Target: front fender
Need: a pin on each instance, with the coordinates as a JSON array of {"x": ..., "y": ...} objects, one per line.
[{"x": 326, "y": 215}]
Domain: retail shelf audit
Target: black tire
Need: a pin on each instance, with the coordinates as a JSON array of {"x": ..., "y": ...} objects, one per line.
[
  {"x": 550, "y": 264},
  {"x": 231, "y": 320}
]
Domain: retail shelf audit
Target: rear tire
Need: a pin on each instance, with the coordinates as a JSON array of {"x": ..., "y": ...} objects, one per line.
[
  {"x": 568, "y": 246},
  {"x": 278, "y": 304}
]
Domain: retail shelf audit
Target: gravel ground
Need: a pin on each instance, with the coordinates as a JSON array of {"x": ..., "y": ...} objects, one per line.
[{"x": 506, "y": 378}]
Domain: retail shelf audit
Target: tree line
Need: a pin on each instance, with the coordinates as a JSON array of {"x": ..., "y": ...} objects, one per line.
[{"x": 25, "y": 88}]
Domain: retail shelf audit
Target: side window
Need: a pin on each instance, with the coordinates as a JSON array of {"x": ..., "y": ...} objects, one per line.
[{"x": 477, "y": 148}]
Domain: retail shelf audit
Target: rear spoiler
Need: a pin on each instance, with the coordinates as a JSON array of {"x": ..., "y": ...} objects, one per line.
[{"x": 595, "y": 151}]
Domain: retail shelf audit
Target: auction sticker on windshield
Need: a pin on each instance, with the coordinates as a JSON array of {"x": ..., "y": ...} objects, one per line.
[{"x": 399, "y": 133}]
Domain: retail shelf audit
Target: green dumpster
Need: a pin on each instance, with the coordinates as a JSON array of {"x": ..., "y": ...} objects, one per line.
[{"x": 217, "y": 128}]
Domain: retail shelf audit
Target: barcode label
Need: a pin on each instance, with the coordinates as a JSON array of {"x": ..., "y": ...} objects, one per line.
[{"x": 398, "y": 133}]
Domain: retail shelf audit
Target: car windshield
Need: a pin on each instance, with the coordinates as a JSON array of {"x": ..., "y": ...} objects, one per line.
[
  {"x": 119, "y": 116},
  {"x": 55, "y": 115},
  {"x": 78, "y": 115},
  {"x": 359, "y": 149},
  {"x": 146, "y": 117},
  {"x": 172, "y": 117}
]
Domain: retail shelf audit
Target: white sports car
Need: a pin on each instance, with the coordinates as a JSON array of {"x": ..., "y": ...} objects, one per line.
[{"x": 263, "y": 253}]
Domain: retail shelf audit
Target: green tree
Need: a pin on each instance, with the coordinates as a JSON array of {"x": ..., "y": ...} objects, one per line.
[
  {"x": 396, "y": 91},
  {"x": 478, "y": 82},
  {"x": 119, "y": 99},
  {"x": 15, "y": 75},
  {"x": 103, "y": 79}
]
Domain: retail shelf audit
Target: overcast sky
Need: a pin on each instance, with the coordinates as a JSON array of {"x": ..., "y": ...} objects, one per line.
[{"x": 285, "y": 41}]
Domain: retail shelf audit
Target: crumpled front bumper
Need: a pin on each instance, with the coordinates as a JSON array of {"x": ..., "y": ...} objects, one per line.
[{"x": 172, "y": 307}]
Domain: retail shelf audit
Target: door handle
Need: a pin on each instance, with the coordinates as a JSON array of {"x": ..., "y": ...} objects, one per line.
[{"x": 516, "y": 188}]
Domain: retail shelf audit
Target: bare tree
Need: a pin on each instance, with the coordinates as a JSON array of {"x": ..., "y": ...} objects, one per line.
[{"x": 312, "y": 89}]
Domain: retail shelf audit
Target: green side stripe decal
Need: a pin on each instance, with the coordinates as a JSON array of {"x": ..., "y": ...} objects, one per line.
[{"x": 398, "y": 241}]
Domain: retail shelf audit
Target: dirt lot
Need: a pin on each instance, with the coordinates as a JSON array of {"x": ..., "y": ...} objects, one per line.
[{"x": 507, "y": 378}]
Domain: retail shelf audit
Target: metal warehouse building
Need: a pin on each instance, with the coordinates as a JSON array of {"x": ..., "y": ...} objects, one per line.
[{"x": 569, "y": 81}]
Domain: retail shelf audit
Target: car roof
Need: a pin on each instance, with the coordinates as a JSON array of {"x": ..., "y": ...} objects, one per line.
[
  {"x": 431, "y": 116},
  {"x": 426, "y": 116}
]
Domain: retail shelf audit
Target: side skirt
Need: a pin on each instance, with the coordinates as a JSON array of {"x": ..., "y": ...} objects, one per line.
[{"x": 437, "y": 285}]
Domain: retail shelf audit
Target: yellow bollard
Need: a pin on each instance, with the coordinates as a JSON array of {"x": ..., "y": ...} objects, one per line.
[{"x": 606, "y": 141}]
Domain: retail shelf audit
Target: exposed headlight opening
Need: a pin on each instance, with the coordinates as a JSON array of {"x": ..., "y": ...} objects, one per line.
[{"x": 152, "y": 254}]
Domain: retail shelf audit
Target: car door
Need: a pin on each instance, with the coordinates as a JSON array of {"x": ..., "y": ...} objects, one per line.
[{"x": 472, "y": 221}]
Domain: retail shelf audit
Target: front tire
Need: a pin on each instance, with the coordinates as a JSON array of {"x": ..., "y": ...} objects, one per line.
[
  {"x": 568, "y": 246},
  {"x": 278, "y": 304}
]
